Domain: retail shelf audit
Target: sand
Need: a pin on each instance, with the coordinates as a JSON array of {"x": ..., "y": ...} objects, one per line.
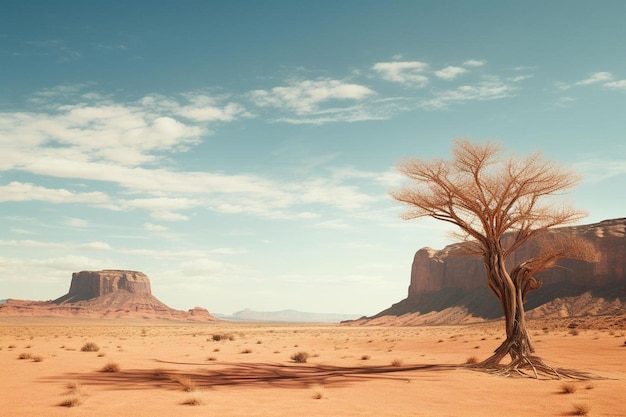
[{"x": 351, "y": 371}]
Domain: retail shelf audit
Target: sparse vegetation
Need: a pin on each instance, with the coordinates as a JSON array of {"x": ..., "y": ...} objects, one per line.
[
  {"x": 110, "y": 367},
  {"x": 365, "y": 357},
  {"x": 25, "y": 355},
  {"x": 75, "y": 395},
  {"x": 300, "y": 357},
  {"x": 246, "y": 351},
  {"x": 472, "y": 360},
  {"x": 90, "y": 347},
  {"x": 194, "y": 399},
  {"x": 397, "y": 362},
  {"x": 581, "y": 409},
  {"x": 222, "y": 336},
  {"x": 568, "y": 388}
]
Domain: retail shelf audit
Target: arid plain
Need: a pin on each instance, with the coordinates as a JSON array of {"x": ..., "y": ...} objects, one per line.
[{"x": 164, "y": 368}]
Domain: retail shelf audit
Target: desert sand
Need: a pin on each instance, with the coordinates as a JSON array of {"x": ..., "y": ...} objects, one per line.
[{"x": 159, "y": 366}]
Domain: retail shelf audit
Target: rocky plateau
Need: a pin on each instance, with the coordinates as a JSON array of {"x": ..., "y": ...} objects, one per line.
[{"x": 105, "y": 294}]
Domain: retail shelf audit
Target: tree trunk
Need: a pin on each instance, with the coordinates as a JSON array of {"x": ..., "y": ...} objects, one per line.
[{"x": 511, "y": 292}]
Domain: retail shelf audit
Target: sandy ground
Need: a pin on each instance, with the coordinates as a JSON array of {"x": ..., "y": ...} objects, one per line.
[{"x": 351, "y": 371}]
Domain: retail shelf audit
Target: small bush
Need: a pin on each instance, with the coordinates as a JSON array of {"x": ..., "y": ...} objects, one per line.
[
  {"x": 365, "y": 357},
  {"x": 194, "y": 399},
  {"x": 90, "y": 347},
  {"x": 71, "y": 401},
  {"x": 110, "y": 367},
  {"x": 568, "y": 388},
  {"x": 318, "y": 395},
  {"x": 37, "y": 358},
  {"x": 245, "y": 351},
  {"x": 25, "y": 355},
  {"x": 222, "y": 336},
  {"x": 472, "y": 360},
  {"x": 300, "y": 357},
  {"x": 581, "y": 409},
  {"x": 396, "y": 362},
  {"x": 574, "y": 332}
]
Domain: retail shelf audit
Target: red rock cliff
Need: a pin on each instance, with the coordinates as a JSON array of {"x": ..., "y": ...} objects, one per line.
[{"x": 90, "y": 284}]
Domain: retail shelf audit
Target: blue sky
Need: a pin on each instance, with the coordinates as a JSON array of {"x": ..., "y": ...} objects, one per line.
[{"x": 241, "y": 153}]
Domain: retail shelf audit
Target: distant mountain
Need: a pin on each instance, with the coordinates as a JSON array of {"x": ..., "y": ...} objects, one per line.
[
  {"x": 292, "y": 316},
  {"x": 3, "y": 301}
]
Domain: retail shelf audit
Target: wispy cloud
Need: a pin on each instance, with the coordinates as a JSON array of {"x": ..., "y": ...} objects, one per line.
[
  {"x": 617, "y": 85},
  {"x": 450, "y": 73},
  {"x": 597, "y": 77},
  {"x": 474, "y": 63},
  {"x": 491, "y": 88},
  {"x": 18, "y": 191},
  {"x": 404, "y": 72}
]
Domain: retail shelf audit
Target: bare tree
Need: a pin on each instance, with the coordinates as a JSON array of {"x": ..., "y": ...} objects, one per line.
[{"x": 487, "y": 195}]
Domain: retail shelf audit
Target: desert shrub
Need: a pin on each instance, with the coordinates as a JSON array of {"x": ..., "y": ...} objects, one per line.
[
  {"x": 396, "y": 362},
  {"x": 71, "y": 401},
  {"x": 211, "y": 358},
  {"x": 581, "y": 409},
  {"x": 222, "y": 336},
  {"x": 472, "y": 360},
  {"x": 300, "y": 357},
  {"x": 247, "y": 350},
  {"x": 90, "y": 347},
  {"x": 365, "y": 357},
  {"x": 318, "y": 395},
  {"x": 574, "y": 332},
  {"x": 12, "y": 346},
  {"x": 568, "y": 388},
  {"x": 110, "y": 367},
  {"x": 25, "y": 355},
  {"x": 194, "y": 399},
  {"x": 37, "y": 358}
]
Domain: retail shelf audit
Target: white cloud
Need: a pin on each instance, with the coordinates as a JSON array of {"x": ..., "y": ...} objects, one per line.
[
  {"x": 337, "y": 224},
  {"x": 76, "y": 222},
  {"x": 18, "y": 191},
  {"x": 618, "y": 85},
  {"x": 168, "y": 216},
  {"x": 404, "y": 72},
  {"x": 473, "y": 63},
  {"x": 490, "y": 89},
  {"x": 596, "y": 77},
  {"x": 151, "y": 227},
  {"x": 450, "y": 73},
  {"x": 305, "y": 97},
  {"x": 96, "y": 246}
]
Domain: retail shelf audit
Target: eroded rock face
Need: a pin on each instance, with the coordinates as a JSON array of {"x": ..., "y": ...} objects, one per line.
[
  {"x": 448, "y": 278},
  {"x": 105, "y": 294},
  {"x": 90, "y": 284}
]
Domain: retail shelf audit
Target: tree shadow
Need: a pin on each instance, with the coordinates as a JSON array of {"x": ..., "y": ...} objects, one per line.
[{"x": 247, "y": 375}]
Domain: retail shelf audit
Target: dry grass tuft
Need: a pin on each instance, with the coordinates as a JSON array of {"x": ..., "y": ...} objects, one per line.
[
  {"x": 581, "y": 409},
  {"x": 90, "y": 347},
  {"x": 568, "y": 388},
  {"x": 194, "y": 399},
  {"x": 72, "y": 401},
  {"x": 110, "y": 367},
  {"x": 472, "y": 360},
  {"x": 300, "y": 357},
  {"x": 75, "y": 395},
  {"x": 397, "y": 362}
]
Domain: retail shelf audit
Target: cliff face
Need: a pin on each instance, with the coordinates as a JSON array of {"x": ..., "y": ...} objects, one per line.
[
  {"x": 447, "y": 278},
  {"x": 90, "y": 284},
  {"x": 105, "y": 294}
]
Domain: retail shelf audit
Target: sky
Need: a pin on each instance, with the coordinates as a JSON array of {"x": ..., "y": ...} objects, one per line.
[{"x": 241, "y": 153}]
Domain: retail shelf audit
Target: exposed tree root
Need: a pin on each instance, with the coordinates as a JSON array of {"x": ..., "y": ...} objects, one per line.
[{"x": 531, "y": 367}]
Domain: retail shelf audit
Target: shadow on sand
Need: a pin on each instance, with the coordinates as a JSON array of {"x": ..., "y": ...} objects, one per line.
[{"x": 247, "y": 374}]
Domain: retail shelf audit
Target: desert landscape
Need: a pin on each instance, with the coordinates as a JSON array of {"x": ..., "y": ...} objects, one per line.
[{"x": 133, "y": 367}]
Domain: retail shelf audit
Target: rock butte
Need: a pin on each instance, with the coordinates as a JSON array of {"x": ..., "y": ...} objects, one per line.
[
  {"x": 448, "y": 286},
  {"x": 108, "y": 293}
]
